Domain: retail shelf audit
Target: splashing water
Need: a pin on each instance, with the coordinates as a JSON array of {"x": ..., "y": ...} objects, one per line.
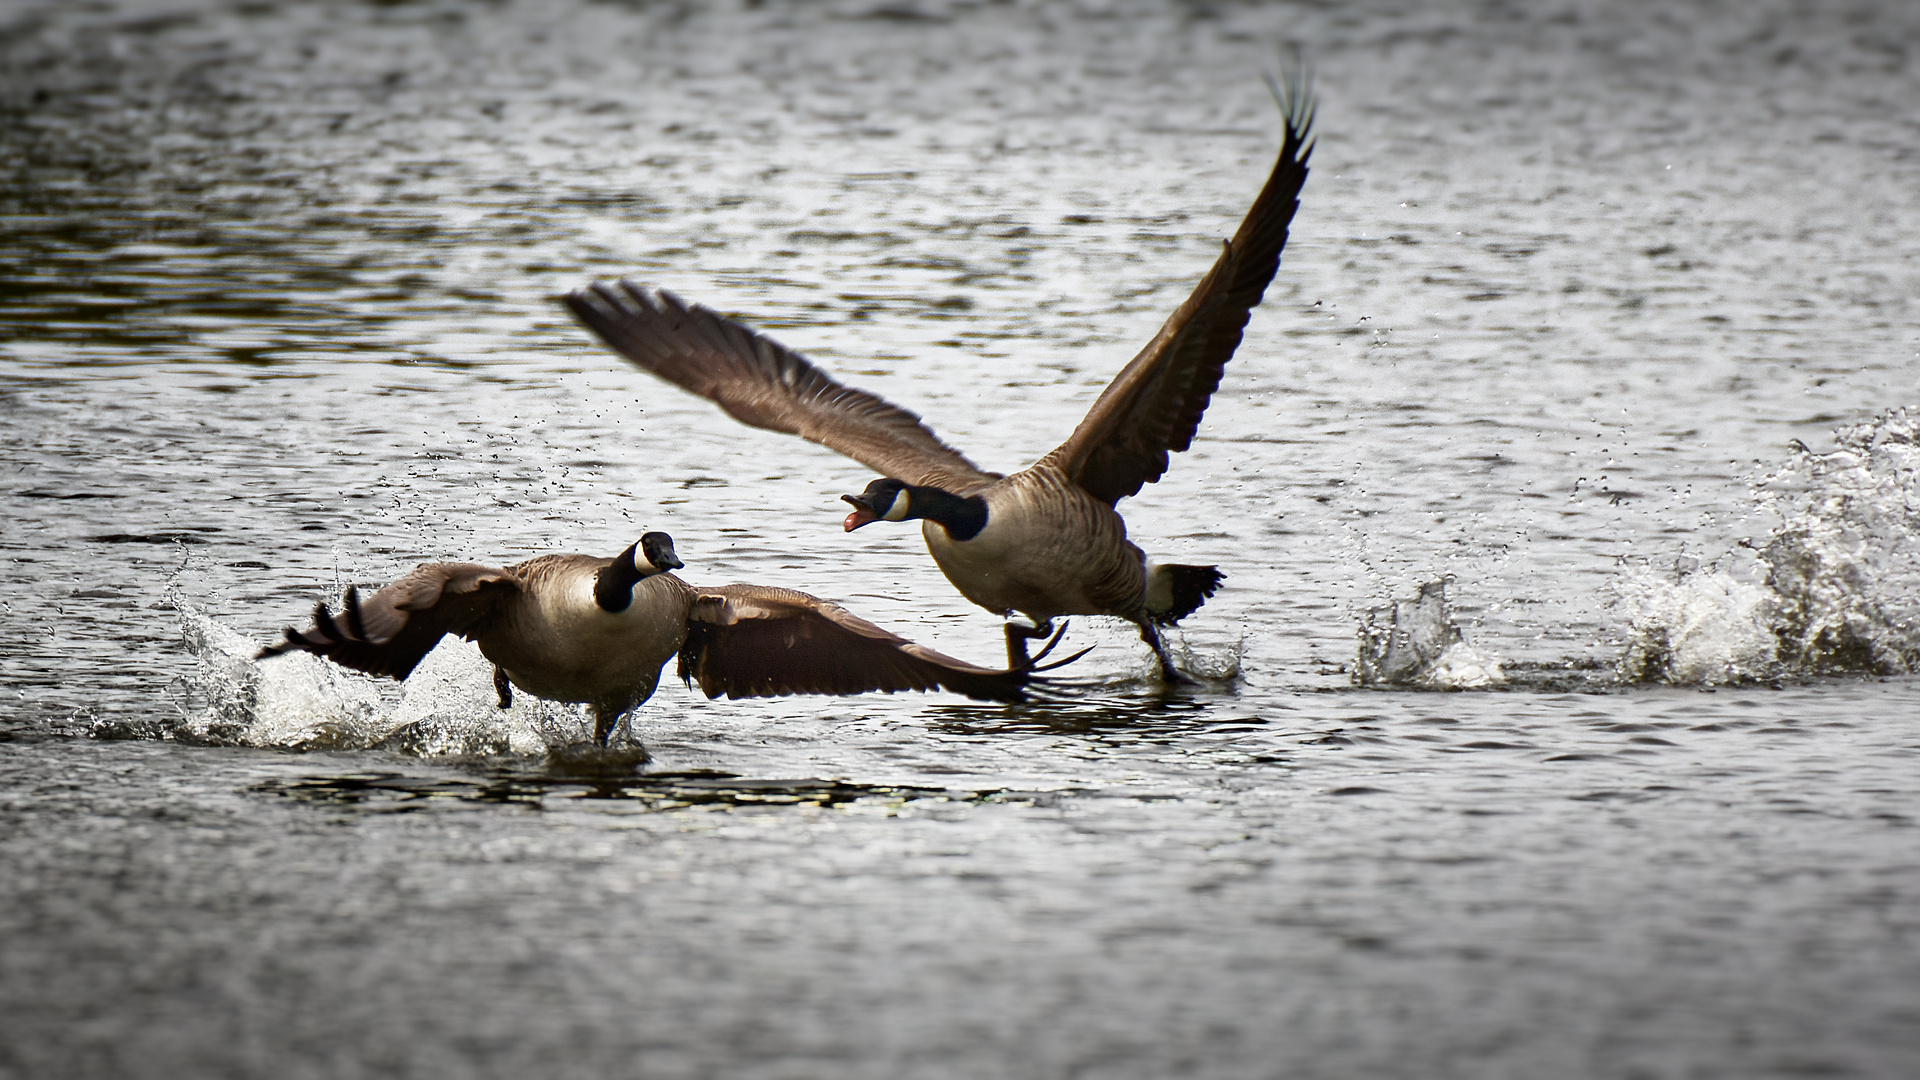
[
  {"x": 1221, "y": 666},
  {"x": 1844, "y": 564},
  {"x": 301, "y": 702},
  {"x": 1693, "y": 626},
  {"x": 1416, "y": 643},
  {"x": 1833, "y": 588}
]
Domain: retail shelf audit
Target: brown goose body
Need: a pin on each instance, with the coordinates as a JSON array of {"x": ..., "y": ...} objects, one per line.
[
  {"x": 1047, "y": 549},
  {"x": 1043, "y": 542},
  {"x": 552, "y": 640},
  {"x": 598, "y": 631}
]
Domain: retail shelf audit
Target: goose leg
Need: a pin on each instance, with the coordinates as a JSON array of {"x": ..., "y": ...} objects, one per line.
[
  {"x": 604, "y": 719},
  {"x": 502, "y": 687},
  {"x": 1017, "y": 638},
  {"x": 1173, "y": 675}
]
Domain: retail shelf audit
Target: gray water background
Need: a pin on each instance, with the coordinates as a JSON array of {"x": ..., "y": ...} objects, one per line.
[{"x": 1566, "y": 283}]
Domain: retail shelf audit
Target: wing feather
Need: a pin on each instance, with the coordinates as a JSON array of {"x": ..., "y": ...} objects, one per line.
[
  {"x": 764, "y": 384},
  {"x": 761, "y": 641},
  {"x": 390, "y": 632},
  {"x": 1154, "y": 405}
]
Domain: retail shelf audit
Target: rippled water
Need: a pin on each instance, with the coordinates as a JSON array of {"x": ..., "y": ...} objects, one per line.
[{"x": 1566, "y": 287}]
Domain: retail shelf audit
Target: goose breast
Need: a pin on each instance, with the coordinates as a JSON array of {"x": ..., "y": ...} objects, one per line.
[{"x": 1047, "y": 549}]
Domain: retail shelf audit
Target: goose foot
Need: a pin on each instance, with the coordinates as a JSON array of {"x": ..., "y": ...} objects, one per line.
[
  {"x": 1017, "y": 637},
  {"x": 1173, "y": 676},
  {"x": 502, "y": 687},
  {"x": 1033, "y": 666}
]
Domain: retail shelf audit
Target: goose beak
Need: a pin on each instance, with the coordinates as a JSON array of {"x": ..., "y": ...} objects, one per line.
[{"x": 862, "y": 513}]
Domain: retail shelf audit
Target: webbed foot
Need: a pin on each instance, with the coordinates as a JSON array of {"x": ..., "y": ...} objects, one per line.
[
  {"x": 1019, "y": 634},
  {"x": 1034, "y": 666}
]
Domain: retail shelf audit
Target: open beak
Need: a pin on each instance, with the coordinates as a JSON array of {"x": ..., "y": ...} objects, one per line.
[{"x": 862, "y": 513}]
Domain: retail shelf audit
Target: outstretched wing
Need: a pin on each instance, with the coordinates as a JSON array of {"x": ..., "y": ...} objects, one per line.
[
  {"x": 761, "y": 641},
  {"x": 391, "y": 631},
  {"x": 760, "y": 382},
  {"x": 1154, "y": 405}
]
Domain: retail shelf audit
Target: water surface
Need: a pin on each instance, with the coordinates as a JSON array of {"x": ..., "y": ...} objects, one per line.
[{"x": 1566, "y": 287}]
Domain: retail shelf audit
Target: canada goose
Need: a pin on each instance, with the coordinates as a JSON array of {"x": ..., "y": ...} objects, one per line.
[
  {"x": 1044, "y": 542},
  {"x": 577, "y": 628}
]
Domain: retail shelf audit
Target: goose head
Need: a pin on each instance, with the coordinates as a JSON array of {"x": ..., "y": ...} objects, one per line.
[
  {"x": 886, "y": 499},
  {"x": 651, "y": 554}
]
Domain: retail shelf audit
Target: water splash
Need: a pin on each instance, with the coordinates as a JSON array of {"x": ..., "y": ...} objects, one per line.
[
  {"x": 1219, "y": 666},
  {"x": 1693, "y": 626},
  {"x": 446, "y": 708},
  {"x": 1844, "y": 563},
  {"x": 1416, "y": 643},
  {"x": 1834, "y": 587},
  {"x": 230, "y": 700}
]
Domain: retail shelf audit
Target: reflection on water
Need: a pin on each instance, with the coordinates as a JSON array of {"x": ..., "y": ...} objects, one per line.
[
  {"x": 1565, "y": 289},
  {"x": 1158, "y": 712},
  {"x": 655, "y": 791}
]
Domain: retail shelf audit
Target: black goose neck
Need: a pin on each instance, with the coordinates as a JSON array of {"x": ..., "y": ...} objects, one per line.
[
  {"x": 963, "y": 516},
  {"x": 613, "y": 586}
]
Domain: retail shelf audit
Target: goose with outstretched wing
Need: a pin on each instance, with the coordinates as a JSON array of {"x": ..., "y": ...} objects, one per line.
[{"x": 1046, "y": 541}]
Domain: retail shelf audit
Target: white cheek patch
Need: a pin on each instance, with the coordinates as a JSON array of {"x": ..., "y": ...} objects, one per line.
[{"x": 898, "y": 511}]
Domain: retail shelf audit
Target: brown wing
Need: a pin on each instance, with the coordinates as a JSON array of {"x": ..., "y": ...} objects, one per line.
[
  {"x": 760, "y": 382},
  {"x": 760, "y": 641},
  {"x": 400, "y": 624},
  {"x": 1154, "y": 405}
]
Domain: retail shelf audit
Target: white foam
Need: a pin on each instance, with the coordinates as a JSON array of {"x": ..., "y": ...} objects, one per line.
[
  {"x": 296, "y": 701},
  {"x": 299, "y": 701},
  {"x": 1844, "y": 561},
  {"x": 1694, "y": 628},
  {"x": 1462, "y": 667}
]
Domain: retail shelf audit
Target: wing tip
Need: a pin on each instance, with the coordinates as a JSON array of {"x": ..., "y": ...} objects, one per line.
[
  {"x": 293, "y": 641},
  {"x": 621, "y": 297}
]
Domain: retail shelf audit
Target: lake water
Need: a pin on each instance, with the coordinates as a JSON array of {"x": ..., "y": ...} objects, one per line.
[{"x": 1601, "y": 314}]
